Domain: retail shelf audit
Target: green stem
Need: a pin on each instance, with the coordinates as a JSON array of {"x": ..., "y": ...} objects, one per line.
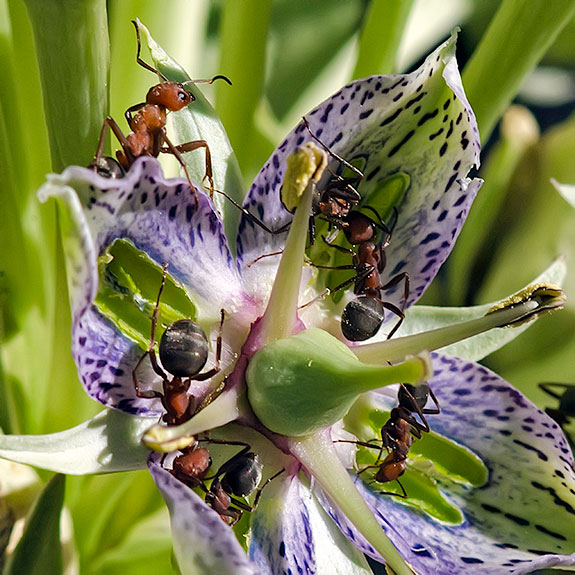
[
  {"x": 519, "y": 131},
  {"x": 516, "y": 40},
  {"x": 318, "y": 456},
  {"x": 381, "y": 36},
  {"x": 243, "y": 55}
]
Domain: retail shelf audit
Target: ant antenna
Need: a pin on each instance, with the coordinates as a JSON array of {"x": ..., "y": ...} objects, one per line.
[
  {"x": 209, "y": 80},
  {"x": 140, "y": 61}
]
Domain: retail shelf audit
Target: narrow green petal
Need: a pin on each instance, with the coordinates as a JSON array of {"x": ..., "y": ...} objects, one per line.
[
  {"x": 109, "y": 442},
  {"x": 425, "y": 318}
]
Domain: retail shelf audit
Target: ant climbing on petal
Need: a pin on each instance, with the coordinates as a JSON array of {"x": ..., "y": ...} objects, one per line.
[
  {"x": 399, "y": 431},
  {"x": 183, "y": 351},
  {"x": 147, "y": 122}
]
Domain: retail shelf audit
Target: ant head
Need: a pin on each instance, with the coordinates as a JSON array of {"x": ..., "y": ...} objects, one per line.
[
  {"x": 362, "y": 318},
  {"x": 170, "y": 95},
  {"x": 184, "y": 348}
]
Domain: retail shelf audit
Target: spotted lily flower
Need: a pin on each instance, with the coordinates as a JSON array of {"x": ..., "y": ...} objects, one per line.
[{"x": 489, "y": 489}]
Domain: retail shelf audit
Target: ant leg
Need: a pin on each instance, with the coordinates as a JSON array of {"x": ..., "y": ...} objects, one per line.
[
  {"x": 140, "y": 61},
  {"x": 150, "y": 394},
  {"x": 216, "y": 368},
  {"x": 130, "y": 110},
  {"x": 190, "y": 147},
  {"x": 331, "y": 152},
  {"x": 402, "y": 277},
  {"x": 150, "y": 352},
  {"x": 176, "y": 153},
  {"x": 109, "y": 122},
  {"x": 253, "y": 218},
  {"x": 437, "y": 409},
  {"x": 402, "y": 495},
  {"x": 260, "y": 490},
  {"x": 548, "y": 385}
]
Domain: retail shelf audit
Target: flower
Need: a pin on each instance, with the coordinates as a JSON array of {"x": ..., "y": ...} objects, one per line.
[{"x": 378, "y": 119}]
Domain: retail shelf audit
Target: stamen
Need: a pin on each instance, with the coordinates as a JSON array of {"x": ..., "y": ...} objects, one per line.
[
  {"x": 280, "y": 316},
  {"x": 224, "y": 409},
  {"x": 513, "y": 311}
]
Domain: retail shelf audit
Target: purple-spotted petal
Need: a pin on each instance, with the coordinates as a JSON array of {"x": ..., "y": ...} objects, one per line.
[
  {"x": 203, "y": 543},
  {"x": 290, "y": 533},
  {"x": 159, "y": 216},
  {"x": 282, "y": 540},
  {"x": 524, "y": 517},
  {"x": 419, "y": 124}
]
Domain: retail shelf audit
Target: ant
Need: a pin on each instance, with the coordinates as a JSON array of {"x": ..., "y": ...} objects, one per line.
[
  {"x": 147, "y": 122},
  {"x": 183, "y": 350},
  {"x": 398, "y": 432},
  {"x": 566, "y": 409},
  {"x": 237, "y": 477},
  {"x": 363, "y": 316}
]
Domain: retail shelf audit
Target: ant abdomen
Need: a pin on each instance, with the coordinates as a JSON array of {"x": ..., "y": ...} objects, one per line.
[
  {"x": 243, "y": 478},
  {"x": 362, "y": 318},
  {"x": 184, "y": 348}
]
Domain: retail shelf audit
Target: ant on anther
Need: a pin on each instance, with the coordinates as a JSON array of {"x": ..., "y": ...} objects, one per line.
[
  {"x": 566, "y": 409},
  {"x": 183, "y": 350},
  {"x": 147, "y": 122},
  {"x": 398, "y": 431}
]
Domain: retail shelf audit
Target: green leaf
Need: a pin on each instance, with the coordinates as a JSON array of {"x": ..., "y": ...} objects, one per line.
[
  {"x": 380, "y": 37},
  {"x": 244, "y": 31},
  {"x": 39, "y": 549},
  {"x": 72, "y": 47},
  {"x": 108, "y": 442},
  {"x": 146, "y": 550},
  {"x": 517, "y": 38}
]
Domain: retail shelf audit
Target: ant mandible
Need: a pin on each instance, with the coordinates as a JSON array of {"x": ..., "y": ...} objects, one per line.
[
  {"x": 147, "y": 122},
  {"x": 183, "y": 350},
  {"x": 398, "y": 431}
]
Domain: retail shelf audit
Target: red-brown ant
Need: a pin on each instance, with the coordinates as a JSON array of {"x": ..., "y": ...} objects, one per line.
[
  {"x": 183, "y": 350},
  {"x": 237, "y": 477},
  {"x": 147, "y": 122},
  {"x": 398, "y": 431}
]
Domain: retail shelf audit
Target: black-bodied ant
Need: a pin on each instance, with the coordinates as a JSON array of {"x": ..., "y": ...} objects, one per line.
[
  {"x": 183, "y": 350},
  {"x": 240, "y": 476},
  {"x": 566, "y": 408},
  {"x": 147, "y": 122},
  {"x": 398, "y": 431}
]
